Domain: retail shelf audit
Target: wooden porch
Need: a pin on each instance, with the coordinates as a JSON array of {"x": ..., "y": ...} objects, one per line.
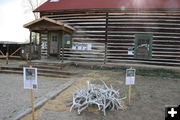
[
  {"x": 55, "y": 31},
  {"x": 10, "y": 50}
]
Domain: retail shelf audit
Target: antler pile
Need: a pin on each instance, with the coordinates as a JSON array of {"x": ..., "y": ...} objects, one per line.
[{"x": 104, "y": 97}]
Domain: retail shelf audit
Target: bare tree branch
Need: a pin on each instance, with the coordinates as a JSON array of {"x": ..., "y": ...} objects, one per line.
[{"x": 32, "y": 4}]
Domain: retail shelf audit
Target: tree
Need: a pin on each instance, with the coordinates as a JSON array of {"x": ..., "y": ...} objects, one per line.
[{"x": 31, "y": 5}]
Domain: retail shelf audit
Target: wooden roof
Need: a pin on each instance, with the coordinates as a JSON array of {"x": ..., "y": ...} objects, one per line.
[
  {"x": 108, "y": 4},
  {"x": 44, "y": 23}
]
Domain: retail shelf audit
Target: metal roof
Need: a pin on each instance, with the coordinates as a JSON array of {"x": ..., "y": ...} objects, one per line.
[
  {"x": 108, "y": 4},
  {"x": 48, "y": 24}
]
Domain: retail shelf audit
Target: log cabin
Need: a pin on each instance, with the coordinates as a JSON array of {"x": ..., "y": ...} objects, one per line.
[{"x": 110, "y": 31}]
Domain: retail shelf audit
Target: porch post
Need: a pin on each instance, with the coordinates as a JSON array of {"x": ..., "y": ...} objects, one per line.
[
  {"x": 30, "y": 47},
  {"x": 39, "y": 49},
  {"x": 7, "y": 53},
  {"x": 62, "y": 56}
]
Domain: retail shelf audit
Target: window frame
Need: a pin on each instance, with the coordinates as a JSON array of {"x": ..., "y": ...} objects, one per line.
[{"x": 143, "y": 36}]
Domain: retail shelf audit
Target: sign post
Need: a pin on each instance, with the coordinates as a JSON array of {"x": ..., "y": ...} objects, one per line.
[
  {"x": 129, "y": 95},
  {"x": 130, "y": 80},
  {"x": 32, "y": 103},
  {"x": 30, "y": 82}
]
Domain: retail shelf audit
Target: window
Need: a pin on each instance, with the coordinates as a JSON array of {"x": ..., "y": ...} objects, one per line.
[
  {"x": 143, "y": 45},
  {"x": 67, "y": 41}
]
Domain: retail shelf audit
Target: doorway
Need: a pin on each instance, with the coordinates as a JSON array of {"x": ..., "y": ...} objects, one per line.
[{"x": 54, "y": 44}]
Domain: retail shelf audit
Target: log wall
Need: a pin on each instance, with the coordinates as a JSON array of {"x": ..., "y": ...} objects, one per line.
[{"x": 118, "y": 30}]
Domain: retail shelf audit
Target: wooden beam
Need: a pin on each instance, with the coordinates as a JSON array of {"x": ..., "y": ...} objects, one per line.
[
  {"x": 15, "y": 51},
  {"x": 2, "y": 56},
  {"x": 14, "y": 57},
  {"x": 45, "y": 23},
  {"x": 2, "y": 53}
]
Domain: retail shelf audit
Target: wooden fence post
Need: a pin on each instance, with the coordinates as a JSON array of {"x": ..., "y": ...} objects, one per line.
[{"x": 7, "y": 54}]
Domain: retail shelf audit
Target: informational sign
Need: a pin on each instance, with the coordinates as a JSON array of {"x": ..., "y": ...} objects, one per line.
[
  {"x": 130, "y": 76},
  {"x": 44, "y": 45},
  {"x": 30, "y": 78},
  {"x": 82, "y": 46},
  {"x": 130, "y": 51}
]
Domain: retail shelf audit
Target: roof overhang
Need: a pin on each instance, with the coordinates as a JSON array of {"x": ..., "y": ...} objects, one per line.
[
  {"x": 47, "y": 24},
  {"x": 13, "y": 42}
]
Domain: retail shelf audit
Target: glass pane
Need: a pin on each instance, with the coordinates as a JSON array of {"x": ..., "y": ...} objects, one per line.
[{"x": 143, "y": 45}]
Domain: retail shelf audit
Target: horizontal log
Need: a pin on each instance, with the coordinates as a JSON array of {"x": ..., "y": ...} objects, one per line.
[
  {"x": 141, "y": 20},
  {"x": 2, "y": 56},
  {"x": 147, "y": 60},
  {"x": 143, "y": 23},
  {"x": 83, "y": 31},
  {"x": 92, "y": 27},
  {"x": 84, "y": 59},
  {"x": 122, "y": 54},
  {"x": 80, "y": 18},
  {"x": 147, "y": 27},
  {"x": 144, "y": 32},
  {"x": 144, "y": 62},
  {"x": 84, "y": 53},
  {"x": 87, "y": 38},
  {"x": 103, "y": 23},
  {"x": 110, "y": 53},
  {"x": 143, "y": 17},
  {"x": 147, "y": 14},
  {"x": 84, "y": 20},
  {"x": 15, "y": 57},
  {"x": 75, "y": 15},
  {"x": 153, "y": 49}
]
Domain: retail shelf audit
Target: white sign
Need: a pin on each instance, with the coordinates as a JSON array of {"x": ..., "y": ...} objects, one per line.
[
  {"x": 82, "y": 46},
  {"x": 30, "y": 78},
  {"x": 130, "y": 76},
  {"x": 44, "y": 45},
  {"x": 130, "y": 51}
]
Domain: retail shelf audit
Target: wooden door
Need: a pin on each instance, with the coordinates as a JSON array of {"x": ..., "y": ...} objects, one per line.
[{"x": 53, "y": 44}]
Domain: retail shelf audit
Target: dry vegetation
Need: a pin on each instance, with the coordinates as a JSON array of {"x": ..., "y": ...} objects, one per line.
[{"x": 151, "y": 93}]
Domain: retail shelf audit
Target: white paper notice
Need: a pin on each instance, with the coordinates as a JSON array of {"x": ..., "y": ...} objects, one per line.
[
  {"x": 30, "y": 78},
  {"x": 130, "y": 76},
  {"x": 130, "y": 53},
  {"x": 82, "y": 46}
]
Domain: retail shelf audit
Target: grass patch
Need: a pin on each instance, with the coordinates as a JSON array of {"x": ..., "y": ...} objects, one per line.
[{"x": 158, "y": 73}]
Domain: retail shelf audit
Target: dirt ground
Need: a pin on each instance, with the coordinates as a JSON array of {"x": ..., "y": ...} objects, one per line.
[{"x": 150, "y": 94}]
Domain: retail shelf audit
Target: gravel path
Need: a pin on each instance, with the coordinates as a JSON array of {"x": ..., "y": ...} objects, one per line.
[{"x": 13, "y": 98}]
